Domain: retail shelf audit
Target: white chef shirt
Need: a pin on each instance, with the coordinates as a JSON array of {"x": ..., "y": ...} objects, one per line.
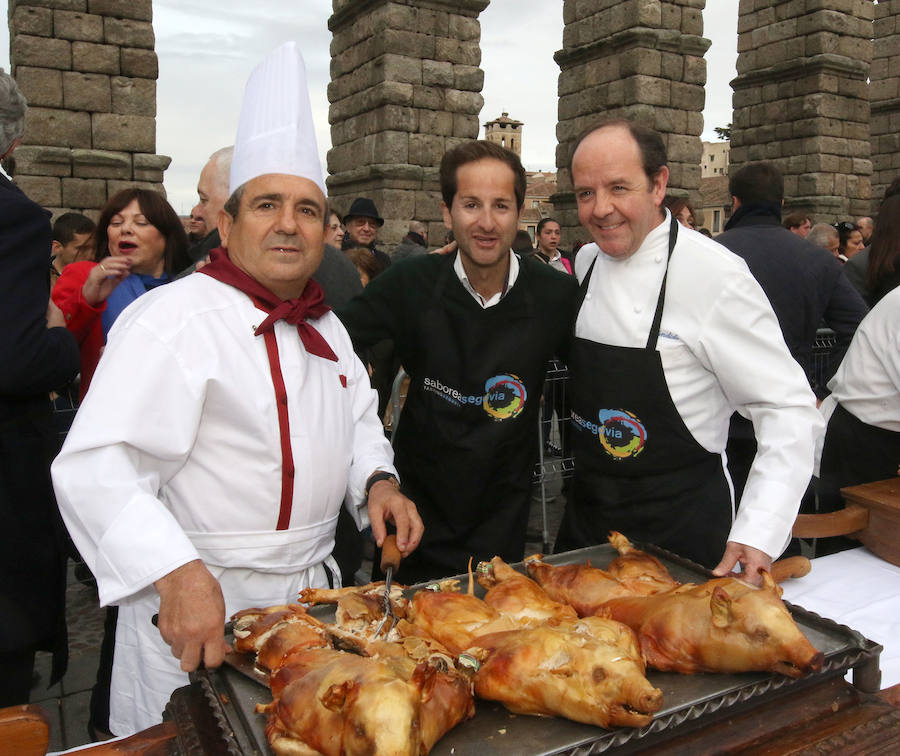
[
  {"x": 867, "y": 383},
  {"x": 175, "y": 455},
  {"x": 491, "y": 301},
  {"x": 722, "y": 350}
]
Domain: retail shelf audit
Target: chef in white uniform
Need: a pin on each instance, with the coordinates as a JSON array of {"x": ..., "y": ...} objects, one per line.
[
  {"x": 674, "y": 334},
  {"x": 228, "y": 422}
]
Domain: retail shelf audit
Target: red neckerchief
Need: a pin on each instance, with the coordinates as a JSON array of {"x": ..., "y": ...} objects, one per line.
[{"x": 310, "y": 304}]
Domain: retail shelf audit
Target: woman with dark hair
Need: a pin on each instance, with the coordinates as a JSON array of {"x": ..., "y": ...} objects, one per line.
[
  {"x": 140, "y": 243},
  {"x": 884, "y": 255},
  {"x": 681, "y": 210},
  {"x": 850, "y": 240}
]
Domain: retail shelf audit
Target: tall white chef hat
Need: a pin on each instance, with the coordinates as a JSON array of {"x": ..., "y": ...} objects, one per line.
[{"x": 275, "y": 132}]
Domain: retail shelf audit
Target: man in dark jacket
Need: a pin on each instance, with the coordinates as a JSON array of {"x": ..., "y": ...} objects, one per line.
[
  {"x": 805, "y": 285},
  {"x": 414, "y": 244},
  {"x": 38, "y": 355}
]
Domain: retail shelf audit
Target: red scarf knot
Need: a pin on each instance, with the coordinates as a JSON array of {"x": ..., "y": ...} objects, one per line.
[{"x": 310, "y": 304}]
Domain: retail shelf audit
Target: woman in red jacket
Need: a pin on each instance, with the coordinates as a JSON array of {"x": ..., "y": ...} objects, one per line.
[{"x": 139, "y": 243}]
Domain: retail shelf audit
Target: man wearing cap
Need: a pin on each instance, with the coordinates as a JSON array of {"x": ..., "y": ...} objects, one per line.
[
  {"x": 361, "y": 223},
  {"x": 230, "y": 422}
]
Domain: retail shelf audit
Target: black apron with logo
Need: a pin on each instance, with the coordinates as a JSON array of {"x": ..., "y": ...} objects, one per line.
[
  {"x": 465, "y": 443},
  {"x": 638, "y": 469}
]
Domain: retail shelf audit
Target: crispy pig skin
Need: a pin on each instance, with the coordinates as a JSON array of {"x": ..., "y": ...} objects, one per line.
[
  {"x": 581, "y": 586},
  {"x": 723, "y": 625},
  {"x": 517, "y": 596},
  {"x": 642, "y": 573},
  {"x": 338, "y": 704},
  {"x": 254, "y": 627},
  {"x": 453, "y": 619},
  {"x": 568, "y": 670}
]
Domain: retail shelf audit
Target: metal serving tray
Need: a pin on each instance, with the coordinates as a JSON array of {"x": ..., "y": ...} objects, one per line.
[{"x": 687, "y": 698}]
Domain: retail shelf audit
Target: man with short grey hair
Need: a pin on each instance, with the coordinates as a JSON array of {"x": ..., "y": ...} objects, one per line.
[
  {"x": 824, "y": 236},
  {"x": 212, "y": 190},
  {"x": 866, "y": 226}
]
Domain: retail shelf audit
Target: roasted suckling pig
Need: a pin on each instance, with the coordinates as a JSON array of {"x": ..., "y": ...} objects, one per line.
[
  {"x": 567, "y": 670},
  {"x": 359, "y": 610},
  {"x": 453, "y": 619},
  {"x": 274, "y": 632},
  {"x": 583, "y": 587},
  {"x": 335, "y": 703},
  {"x": 517, "y": 596},
  {"x": 723, "y": 625}
]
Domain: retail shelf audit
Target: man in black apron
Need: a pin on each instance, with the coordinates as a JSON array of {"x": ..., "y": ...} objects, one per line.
[
  {"x": 474, "y": 331},
  {"x": 673, "y": 335}
]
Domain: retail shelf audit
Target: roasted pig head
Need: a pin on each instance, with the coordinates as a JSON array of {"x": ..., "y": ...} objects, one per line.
[
  {"x": 567, "y": 671},
  {"x": 723, "y": 625},
  {"x": 517, "y": 596},
  {"x": 581, "y": 586}
]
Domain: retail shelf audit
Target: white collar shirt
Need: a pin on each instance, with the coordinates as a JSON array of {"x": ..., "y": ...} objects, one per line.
[{"x": 490, "y": 301}]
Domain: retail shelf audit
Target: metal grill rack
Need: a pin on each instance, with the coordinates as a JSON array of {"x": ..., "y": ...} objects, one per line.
[{"x": 825, "y": 342}]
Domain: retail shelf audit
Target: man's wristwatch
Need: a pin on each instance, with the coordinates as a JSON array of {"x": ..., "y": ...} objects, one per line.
[{"x": 381, "y": 475}]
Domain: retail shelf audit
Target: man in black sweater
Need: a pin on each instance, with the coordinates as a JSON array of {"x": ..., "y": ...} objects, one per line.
[{"x": 474, "y": 331}]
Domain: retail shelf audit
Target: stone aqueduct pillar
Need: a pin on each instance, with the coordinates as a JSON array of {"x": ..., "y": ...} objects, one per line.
[
  {"x": 88, "y": 69},
  {"x": 637, "y": 59},
  {"x": 885, "y": 99},
  {"x": 405, "y": 87},
  {"x": 801, "y": 100}
]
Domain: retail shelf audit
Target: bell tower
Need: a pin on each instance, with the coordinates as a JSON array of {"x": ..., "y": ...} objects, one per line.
[{"x": 506, "y": 132}]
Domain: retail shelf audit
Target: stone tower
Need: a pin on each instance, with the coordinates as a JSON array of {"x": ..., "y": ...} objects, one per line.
[
  {"x": 506, "y": 132},
  {"x": 88, "y": 70}
]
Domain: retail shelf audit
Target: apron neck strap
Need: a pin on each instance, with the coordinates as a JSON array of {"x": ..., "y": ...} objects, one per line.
[{"x": 657, "y": 318}]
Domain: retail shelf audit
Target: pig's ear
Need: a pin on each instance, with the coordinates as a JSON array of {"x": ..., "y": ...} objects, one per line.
[
  {"x": 768, "y": 582},
  {"x": 720, "y": 607}
]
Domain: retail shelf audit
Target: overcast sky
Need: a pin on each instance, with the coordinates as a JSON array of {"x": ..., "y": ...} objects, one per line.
[{"x": 207, "y": 48}]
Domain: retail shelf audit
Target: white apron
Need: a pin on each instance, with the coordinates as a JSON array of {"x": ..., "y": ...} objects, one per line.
[{"x": 145, "y": 673}]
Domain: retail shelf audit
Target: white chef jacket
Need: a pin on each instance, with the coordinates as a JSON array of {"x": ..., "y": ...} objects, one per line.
[
  {"x": 722, "y": 350},
  {"x": 867, "y": 383},
  {"x": 175, "y": 455}
]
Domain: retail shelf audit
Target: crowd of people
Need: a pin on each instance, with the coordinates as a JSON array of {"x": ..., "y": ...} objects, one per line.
[{"x": 229, "y": 448}]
